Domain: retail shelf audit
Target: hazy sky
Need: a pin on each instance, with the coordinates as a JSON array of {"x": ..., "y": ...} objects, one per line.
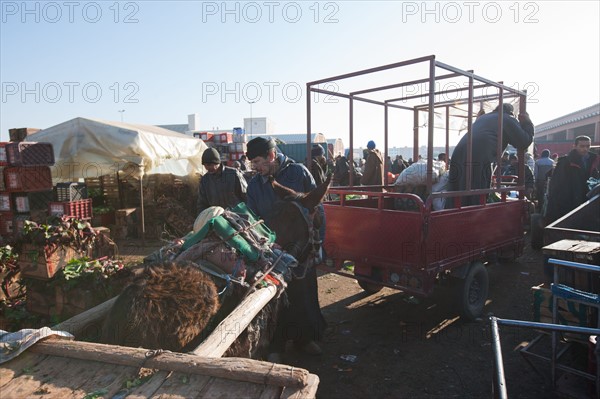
[{"x": 160, "y": 61}]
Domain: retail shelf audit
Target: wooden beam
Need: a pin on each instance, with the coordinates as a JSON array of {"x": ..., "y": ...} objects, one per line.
[
  {"x": 78, "y": 323},
  {"x": 217, "y": 343},
  {"x": 239, "y": 369}
]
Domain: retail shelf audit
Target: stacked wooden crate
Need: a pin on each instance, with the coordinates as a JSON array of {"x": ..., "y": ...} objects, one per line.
[{"x": 25, "y": 184}]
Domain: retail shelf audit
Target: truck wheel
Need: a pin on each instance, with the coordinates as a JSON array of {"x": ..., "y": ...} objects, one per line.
[
  {"x": 537, "y": 231},
  {"x": 370, "y": 288},
  {"x": 473, "y": 291}
]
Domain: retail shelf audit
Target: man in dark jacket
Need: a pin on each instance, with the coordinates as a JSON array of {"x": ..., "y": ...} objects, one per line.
[
  {"x": 221, "y": 185},
  {"x": 485, "y": 138},
  {"x": 568, "y": 184},
  {"x": 303, "y": 318},
  {"x": 318, "y": 166}
]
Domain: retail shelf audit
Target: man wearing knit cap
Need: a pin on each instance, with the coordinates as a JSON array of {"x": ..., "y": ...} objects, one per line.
[
  {"x": 221, "y": 185},
  {"x": 302, "y": 320},
  {"x": 541, "y": 171},
  {"x": 373, "y": 171}
]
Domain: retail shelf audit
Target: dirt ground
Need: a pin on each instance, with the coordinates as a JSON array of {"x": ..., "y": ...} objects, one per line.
[
  {"x": 389, "y": 345},
  {"x": 386, "y": 346}
]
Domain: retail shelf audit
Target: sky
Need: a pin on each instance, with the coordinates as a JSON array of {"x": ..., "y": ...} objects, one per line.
[{"x": 155, "y": 62}]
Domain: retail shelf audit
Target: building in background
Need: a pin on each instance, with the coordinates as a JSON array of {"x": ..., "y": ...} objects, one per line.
[{"x": 558, "y": 135}]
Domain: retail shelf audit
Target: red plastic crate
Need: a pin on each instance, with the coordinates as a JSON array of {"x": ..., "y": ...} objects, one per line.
[
  {"x": 27, "y": 202},
  {"x": 3, "y": 161},
  {"x": 205, "y": 136},
  {"x": 223, "y": 138},
  {"x": 6, "y": 204},
  {"x": 6, "y": 224},
  {"x": 29, "y": 154},
  {"x": 28, "y": 178},
  {"x": 2, "y": 185},
  {"x": 77, "y": 209}
]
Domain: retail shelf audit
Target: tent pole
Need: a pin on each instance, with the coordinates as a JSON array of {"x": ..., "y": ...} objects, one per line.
[{"x": 142, "y": 206}]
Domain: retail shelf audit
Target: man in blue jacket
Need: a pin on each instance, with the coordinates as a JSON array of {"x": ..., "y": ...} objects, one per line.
[{"x": 302, "y": 321}]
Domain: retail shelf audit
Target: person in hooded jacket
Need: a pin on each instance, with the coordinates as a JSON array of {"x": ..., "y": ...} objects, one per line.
[
  {"x": 373, "y": 171},
  {"x": 518, "y": 133}
]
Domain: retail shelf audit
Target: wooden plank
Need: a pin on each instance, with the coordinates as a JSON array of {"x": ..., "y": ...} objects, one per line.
[
  {"x": 221, "y": 388},
  {"x": 23, "y": 364},
  {"x": 98, "y": 377},
  {"x": 271, "y": 392},
  {"x": 309, "y": 391},
  {"x": 71, "y": 375},
  {"x": 182, "y": 386},
  {"x": 76, "y": 324},
  {"x": 148, "y": 388},
  {"x": 27, "y": 385},
  {"x": 231, "y": 368},
  {"x": 217, "y": 343}
]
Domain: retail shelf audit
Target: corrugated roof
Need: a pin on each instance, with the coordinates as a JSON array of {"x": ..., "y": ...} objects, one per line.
[{"x": 576, "y": 116}]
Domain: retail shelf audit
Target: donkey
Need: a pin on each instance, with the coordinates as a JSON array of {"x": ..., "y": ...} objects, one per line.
[{"x": 174, "y": 306}]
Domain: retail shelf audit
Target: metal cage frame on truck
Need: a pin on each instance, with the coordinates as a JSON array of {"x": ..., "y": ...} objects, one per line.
[{"x": 414, "y": 262}]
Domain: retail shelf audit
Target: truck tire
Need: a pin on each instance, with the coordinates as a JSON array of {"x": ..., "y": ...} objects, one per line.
[
  {"x": 473, "y": 291},
  {"x": 370, "y": 288},
  {"x": 537, "y": 231}
]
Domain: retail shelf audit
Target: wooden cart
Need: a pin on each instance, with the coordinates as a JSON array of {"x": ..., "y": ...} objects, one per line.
[{"x": 58, "y": 368}]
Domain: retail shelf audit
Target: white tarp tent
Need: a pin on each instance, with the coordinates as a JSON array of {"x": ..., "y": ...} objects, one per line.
[{"x": 91, "y": 148}]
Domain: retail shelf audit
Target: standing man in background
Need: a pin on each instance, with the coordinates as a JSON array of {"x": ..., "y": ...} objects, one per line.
[
  {"x": 568, "y": 185},
  {"x": 221, "y": 185}
]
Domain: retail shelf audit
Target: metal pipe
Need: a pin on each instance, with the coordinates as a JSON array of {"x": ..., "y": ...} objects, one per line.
[
  {"x": 367, "y": 100},
  {"x": 499, "y": 143},
  {"x": 464, "y": 101},
  {"x": 308, "y": 126},
  {"x": 437, "y": 92},
  {"x": 371, "y": 70},
  {"x": 415, "y": 135},
  {"x": 385, "y": 143},
  {"x": 499, "y": 378},
  {"x": 469, "y": 163},
  {"x": 351, "y": 152},
  {"x": 398, "y": 85},
  {"x": 430, "y": 122},
  {"x": 548, "y": 326},
  {"x": 575, "y": 265},
  {"x": 478, "y": 78}
]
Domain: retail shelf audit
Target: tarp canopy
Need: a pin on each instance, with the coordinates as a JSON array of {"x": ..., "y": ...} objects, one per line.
[{"x": 91, "y": 148}]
